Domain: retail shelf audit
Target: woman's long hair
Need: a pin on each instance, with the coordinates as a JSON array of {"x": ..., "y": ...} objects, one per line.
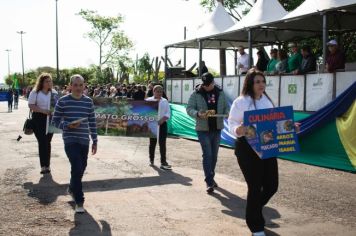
[
  {"x": 247, "y": 89},
  {"x": 40, "y": 81}
]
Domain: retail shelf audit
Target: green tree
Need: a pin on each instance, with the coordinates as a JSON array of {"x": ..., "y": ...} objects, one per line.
[{"x": 106, "y": 34}]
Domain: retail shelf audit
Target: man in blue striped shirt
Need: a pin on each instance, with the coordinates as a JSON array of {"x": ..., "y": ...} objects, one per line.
[{"x": 74, "y": 114}]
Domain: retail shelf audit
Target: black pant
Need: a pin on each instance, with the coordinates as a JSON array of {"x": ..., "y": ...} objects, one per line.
[
  {"x": 9, "y": 105},
  {"x": 162, "y": 143},
  {"x": 262, "y": 182},
  {"x": 43, "y": 139}
]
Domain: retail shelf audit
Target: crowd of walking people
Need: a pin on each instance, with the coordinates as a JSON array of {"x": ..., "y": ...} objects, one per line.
[{"x": 74, "y": 114}]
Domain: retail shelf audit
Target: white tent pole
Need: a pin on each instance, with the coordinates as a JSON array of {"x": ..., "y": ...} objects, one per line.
[{"x": 325, "y": 37}]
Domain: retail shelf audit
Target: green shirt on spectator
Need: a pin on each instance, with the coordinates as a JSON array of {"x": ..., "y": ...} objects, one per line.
[
  {"x": 271, "y": 67},
  {"x": 294, "y": 61}
]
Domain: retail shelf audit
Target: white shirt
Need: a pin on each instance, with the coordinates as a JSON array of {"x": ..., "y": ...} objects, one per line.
[
  {"x": 163, "y": 107},
  {"x": 40, "y": 99},
  {"x": 243, "y": 60},
  {"x": 242, "y": 104}
]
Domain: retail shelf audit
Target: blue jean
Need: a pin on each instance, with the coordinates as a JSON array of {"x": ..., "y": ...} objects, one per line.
[
  {"x": 78, "y": 155},
  {"x": 209, "y": 142}
]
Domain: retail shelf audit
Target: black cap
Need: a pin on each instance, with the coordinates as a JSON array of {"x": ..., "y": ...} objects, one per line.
[{"x": 207, "y": 79}]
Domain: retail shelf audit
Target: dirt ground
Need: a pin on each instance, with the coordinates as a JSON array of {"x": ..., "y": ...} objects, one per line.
[{"x": 124, "y": 196}]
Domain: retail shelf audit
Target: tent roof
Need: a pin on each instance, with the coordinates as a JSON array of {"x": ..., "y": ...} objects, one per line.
[
  {"x": 341, "y": 16},
  {"x": 314, "y": 6},
  {"x": 217, "y": 22},
  {"x": 262, "y": 12}
]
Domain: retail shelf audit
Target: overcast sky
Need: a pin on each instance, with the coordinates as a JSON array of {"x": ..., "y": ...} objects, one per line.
[{"x": 149, "y": 24}]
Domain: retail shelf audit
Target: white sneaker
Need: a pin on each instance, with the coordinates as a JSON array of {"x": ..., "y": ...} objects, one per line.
[
  {"x": 261, "y": 233},
  {"x": 79, "y": 208}
]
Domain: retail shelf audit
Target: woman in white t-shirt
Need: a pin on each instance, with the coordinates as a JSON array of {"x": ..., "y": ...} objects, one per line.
[
  {"x": 164, "y": 113},
  {"x": 39, "y": 102},
  {"x": 261, "y": 175}
]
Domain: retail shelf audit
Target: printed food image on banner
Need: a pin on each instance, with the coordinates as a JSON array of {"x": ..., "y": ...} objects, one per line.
[
  {"x": 122, "y": 117},
  {"x": 270, "y": 132}
]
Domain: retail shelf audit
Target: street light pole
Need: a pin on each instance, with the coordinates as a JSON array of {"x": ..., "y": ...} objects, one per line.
[
  {"x": 57, "y": 55},
  {"x": 23, "y": 67},
  {"x": 8, "y": 62}
]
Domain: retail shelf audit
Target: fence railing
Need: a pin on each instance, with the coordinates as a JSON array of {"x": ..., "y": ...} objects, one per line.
[{"x": 308, "y": 92}]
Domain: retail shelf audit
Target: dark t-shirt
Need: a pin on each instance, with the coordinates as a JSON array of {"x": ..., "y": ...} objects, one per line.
[{"x": 211, "y": 99}]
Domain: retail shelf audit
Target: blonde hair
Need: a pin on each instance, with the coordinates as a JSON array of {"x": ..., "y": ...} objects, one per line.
[{"x": 40, "y": 80}]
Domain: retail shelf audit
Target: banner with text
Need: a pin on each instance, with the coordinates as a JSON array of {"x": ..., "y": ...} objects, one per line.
[
  {"x": 272, "y": 88},
  {"x": 270, "y": 132},
  {"x": 176, "y": 91},
  {"x": 188, "y": 89},
  {"x": 292, "y": 91},
  {"x": 319, "y": 90},
  {"x": 231, "y": 87},
  {"x": 122, "y": 117}
]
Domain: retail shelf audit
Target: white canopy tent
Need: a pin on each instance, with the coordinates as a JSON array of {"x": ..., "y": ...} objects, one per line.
[{"x": 216, "y": 23}]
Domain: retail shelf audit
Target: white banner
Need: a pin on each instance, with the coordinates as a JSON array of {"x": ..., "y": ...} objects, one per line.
[
  {"x": 319, "y": 90},
  {"x": 344, "y": 80},
  {"x": 231, "y": 87},
  {"x": 169, "y": 89},
  {"x": 188, "y": 89},
  {"x": 272, "y": 88},
  {"x": 177, "y": 91},
  {"x": 218, "y": 81},
  {"x": 242, "y": 80},
  {"x": 292, "y": 91}
]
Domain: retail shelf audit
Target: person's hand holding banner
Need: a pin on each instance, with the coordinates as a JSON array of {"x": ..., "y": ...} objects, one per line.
[{"x": 241, "y": 130}]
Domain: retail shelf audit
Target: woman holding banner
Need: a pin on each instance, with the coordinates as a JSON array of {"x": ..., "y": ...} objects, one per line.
[
  {"x": 164, "y": 114},
  {"x": 261, "y": 175},
  {"x": 39, "y": 102}
]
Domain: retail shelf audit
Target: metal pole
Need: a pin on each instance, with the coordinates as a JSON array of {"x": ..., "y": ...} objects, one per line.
[
  {"x": 325, "y": 38},
  {"x": 185, "y": 50},
  {"x": 200, "y": 55},
  {"x": 57, "y": 54},
  {"x": 235, "y": 62},
  {"x": 166, "y": 71},
  {"x": 250, "y": 48},
  {"x": 23, "y": 67},
  {"x": 8, "y": 62}
]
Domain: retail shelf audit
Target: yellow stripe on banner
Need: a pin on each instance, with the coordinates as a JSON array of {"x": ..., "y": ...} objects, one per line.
[{"x": 346, "y": 126}]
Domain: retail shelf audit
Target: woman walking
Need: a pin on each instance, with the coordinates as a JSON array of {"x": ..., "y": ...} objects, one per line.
[
  {"x": 39, "y": 102},
  {"x": 261, "y": 175}
]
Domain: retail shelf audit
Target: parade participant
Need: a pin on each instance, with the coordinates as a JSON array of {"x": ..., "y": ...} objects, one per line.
[
  {"x": 39, "y": 102},
  {"x": 336, "y": 57},
  {"x": 74, "y": 114},
  {"x": 208, "y": 96},
  {"x": 295, "y": 59},
  {"x": 271, "y": 67},
  {"x": 243, "y": 62},
  {"x": 16, "y": 99},
  {"x": 164, "y": 115},
  {"x": 10, "y": 99},
  {"x": 261, "y": 175}
]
